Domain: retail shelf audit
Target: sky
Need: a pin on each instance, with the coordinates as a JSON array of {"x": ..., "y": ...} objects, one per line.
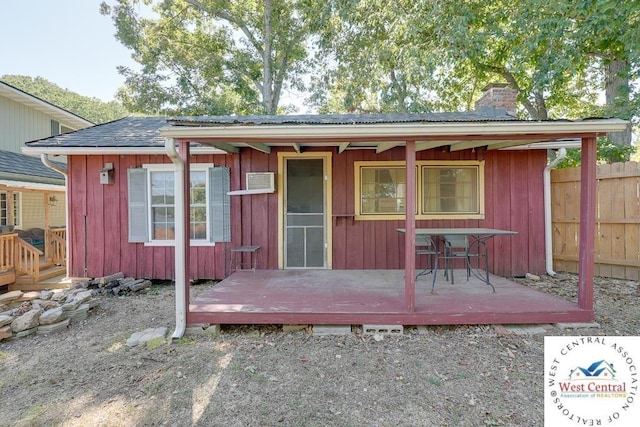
[{"x": 67, "y": 42}]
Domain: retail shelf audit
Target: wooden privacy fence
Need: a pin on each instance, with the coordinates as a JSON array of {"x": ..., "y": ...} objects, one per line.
[{"x": 617, "y": 220}]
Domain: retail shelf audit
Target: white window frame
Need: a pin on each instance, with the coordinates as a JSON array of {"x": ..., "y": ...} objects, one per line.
[
  {"x": 17, "y": 208},
  {"x": 169, "y": 167}
]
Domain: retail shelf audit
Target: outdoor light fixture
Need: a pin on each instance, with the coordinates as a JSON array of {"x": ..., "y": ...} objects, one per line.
[{"x": 53, "y": 200}]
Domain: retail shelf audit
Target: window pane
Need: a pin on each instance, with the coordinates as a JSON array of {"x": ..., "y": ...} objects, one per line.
[
  {"x": 382, "y": 190},
  {"x": 198, "y": 223},
  {"x": 163, "y": 203},
  {"x": 4, "y": 217},
  {"x": 451, "y": 190},
  {"x": 162, "y": 188},
  {"x": 163, "y": 223}
]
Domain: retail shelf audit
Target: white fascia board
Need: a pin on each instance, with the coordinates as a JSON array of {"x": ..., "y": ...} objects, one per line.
[
  {"x": 31, "y": 185},
  {"x": 395, "y": 130},
  {"x": 104, "y": 151}
]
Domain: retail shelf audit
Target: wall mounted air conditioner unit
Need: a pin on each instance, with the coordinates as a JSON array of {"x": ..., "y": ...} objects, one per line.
[
  {"x": 261, "y": 181},
  {"x": 257, "y": 183}
]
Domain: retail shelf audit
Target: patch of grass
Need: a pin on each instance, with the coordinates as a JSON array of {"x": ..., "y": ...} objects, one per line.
[
  {"x": 3, "y": 355},
  {"x": 461, "y": 375},
  {"x": 434, "y": 381},
  {"x": 153, "y": 291},
  {"x": 155, "y": 343},
  {"x": 186, "y": 341}
]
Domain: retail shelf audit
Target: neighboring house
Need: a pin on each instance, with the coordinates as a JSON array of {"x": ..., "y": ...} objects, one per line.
[
  {"x": 314, "y": 191},
  {"x": 24, "y": 117},
  {"x": 32, "y": 196},
  {"x": 28, "y": 186},
  {"x": 28, "y": 189}
]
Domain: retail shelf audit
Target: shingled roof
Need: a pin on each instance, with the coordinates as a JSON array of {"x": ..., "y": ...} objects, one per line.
[
  {"x": 126, "y": 132},
  {"x": 21, "y": 167}
]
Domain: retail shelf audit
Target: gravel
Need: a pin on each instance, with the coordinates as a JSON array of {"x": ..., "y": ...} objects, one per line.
[{"x": 261, "y": 376}]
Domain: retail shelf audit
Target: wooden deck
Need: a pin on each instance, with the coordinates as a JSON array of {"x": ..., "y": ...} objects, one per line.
[{"x": 373, "y": 297}]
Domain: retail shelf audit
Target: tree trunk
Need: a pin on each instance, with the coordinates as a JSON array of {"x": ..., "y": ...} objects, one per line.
[
  {"x": 267, "y": 83},
  {"x": 617, "y": 98}
]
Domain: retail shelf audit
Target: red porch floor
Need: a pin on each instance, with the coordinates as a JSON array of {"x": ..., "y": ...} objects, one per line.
[{"x": 373, "y": 297}]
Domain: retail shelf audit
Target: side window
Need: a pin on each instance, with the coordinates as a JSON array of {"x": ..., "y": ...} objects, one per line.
[
  {"x": 152, "y": 204},
  {"x": 450, "y": 190},
  {"x": 444, "y": 190},
  {"x": 55, "y": 128},
  {"x": 5, "y": 209}
]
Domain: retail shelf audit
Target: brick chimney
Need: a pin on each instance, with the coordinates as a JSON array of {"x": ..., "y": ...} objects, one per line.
[{"x": 498, "y": 95}]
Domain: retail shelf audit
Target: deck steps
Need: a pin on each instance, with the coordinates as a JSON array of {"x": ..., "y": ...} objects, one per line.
[
  {"x": 7, "y": 277},
  {"x": 27, "y": 283}
]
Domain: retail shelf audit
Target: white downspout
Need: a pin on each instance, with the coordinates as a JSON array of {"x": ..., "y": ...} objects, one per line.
[
  {"x": 548, "y": 234},
  {"x": 180, "y": 248},
  {"x": 48, "y": 163}
]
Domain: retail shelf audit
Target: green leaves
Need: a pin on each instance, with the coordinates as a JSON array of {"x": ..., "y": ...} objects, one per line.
[
  {"x": 91, "y": 109},
  {"x": 210, "y": 56}
]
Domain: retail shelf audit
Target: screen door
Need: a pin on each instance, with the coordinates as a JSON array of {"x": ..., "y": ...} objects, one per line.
[{"x": 305, "y": 214}]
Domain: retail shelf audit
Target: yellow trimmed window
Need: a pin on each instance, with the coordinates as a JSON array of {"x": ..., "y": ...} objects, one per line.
[{"x": 445, "y": 190}]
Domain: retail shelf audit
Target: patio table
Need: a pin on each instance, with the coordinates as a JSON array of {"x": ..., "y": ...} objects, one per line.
[{"x": 478, "y": 237}]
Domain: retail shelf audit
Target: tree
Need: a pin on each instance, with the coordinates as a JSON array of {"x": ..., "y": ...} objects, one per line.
[
  {"x": 91, "y": 109},
  {"x": 369, "y": 61},
  {"x": 559, "y": 55},
  {"x": 210, "y": 56}
]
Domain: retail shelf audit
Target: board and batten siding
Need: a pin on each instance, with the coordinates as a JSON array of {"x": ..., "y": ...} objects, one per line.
[
  {"x": 99, "y": 224},
  {"x": 19, "y": 124},
  {"x": 513, "y": 201},
  {"x": 99, "y": 216}
]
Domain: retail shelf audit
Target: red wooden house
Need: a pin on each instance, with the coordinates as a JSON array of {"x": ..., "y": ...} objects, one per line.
[{"x": 323, "y": 197}]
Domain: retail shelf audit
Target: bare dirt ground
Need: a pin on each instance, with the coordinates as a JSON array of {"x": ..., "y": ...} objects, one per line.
[{"x": 261, "y": 376}]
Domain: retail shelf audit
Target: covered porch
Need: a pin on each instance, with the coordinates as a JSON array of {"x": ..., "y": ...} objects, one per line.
[
  {"x": 373, "y": 297},
  {"x": 352, "y": 296}
]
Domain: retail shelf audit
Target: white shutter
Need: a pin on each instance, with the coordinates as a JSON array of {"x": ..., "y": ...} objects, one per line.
[
  {"x": 219, "y": 204},
  {"x": 138, "y": 205}
]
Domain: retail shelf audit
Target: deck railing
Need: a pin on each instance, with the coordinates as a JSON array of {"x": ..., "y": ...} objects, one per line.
[
  {"x": 27, "y": 259},
  {"x": 56, "y": 246},
  {"x": 7, "y": 251}
]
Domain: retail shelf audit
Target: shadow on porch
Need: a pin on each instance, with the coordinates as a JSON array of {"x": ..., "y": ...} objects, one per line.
[{"x": 373, "y": 297}]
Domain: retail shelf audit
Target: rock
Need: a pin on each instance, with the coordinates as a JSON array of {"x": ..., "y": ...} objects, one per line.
[
  {"x": 10, "y": 296},
  {"x": 5, "y": 319},
  {"x": 46, "y": 295},
  {"x": 26, "y": 332},
  {"x": 23, "y": 308},
  {"x": 46, "y": 304},
  {"x": 29, "y": 296},
  {"x": 83, "y": 296},
  {"x": 84, "y": 284},
  {"x": 29, "y": 320},
  {"x": 55, "y": 327},
  {"x": 5, "y": 332},
  {"x": 147, "y": 335},
  {"x": 533, "y": 277},
  {"x": 52, "y": 316},
  {"x": 71, "y": 305},
  {"x": 59, "y": 296}
]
